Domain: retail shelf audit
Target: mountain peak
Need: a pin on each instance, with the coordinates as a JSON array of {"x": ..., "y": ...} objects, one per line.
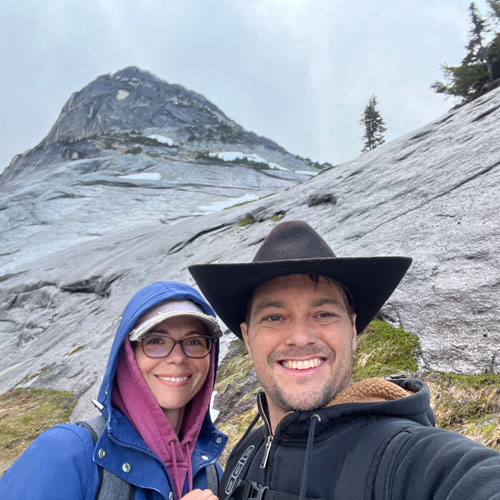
[{"x": 133, "y": 100}]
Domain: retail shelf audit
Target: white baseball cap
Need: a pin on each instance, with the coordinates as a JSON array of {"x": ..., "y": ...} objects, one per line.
[{"x": 172, "y": 309}]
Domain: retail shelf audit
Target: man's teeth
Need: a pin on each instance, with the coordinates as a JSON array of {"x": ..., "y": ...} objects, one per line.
[
  {"x": 174, "y": 379},
  {"x": 302, "y": 365}
]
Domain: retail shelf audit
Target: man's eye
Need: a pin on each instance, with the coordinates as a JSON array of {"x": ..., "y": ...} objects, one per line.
[
  {"x": 326, "y": 315},
  {"x": 273, "y": 318}
]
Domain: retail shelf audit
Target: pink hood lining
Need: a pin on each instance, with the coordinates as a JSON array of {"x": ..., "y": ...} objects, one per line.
[{"x": 132, "y": 396}]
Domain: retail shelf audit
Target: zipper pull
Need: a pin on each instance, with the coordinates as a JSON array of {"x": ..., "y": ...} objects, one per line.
[{"x": 269, "y": 442}]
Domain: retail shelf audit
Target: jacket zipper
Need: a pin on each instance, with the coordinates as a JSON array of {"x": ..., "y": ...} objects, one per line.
[
  {"x": 267, "y": 450},
  {"x": 270, "y": 437}
]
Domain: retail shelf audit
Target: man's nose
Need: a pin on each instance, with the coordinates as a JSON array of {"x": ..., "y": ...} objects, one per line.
[{"x": 300, "y": 332}]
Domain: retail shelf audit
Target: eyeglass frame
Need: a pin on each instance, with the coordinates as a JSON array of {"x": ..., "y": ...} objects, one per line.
[{"x": 208, "y": 338}]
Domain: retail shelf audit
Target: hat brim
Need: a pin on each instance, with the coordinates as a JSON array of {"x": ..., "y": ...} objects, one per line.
[
  {"x": 210, "y": 323},
  {"x": 370, "y": 281}
]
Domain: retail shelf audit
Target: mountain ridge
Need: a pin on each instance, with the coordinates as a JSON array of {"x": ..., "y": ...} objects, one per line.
[{"x": 134, "y": 102}]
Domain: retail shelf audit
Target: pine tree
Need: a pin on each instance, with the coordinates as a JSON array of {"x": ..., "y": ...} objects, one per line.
[
  {"x": 374, "y": 126},
  {"x": 495, "y": 8},
  {"x": 480, "y": 68},
  {"x": 477, "y": 52}
]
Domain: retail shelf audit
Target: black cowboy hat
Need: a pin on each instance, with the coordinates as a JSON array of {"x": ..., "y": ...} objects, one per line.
[{"x": 294, "y": 247}]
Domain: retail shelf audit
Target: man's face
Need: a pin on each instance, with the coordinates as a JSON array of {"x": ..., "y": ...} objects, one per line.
[{"x": 301, "y": 340}]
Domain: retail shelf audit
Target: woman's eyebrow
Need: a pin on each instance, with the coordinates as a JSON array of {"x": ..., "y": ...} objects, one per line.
[
  {"x": 193, "y": 331},
  {"x": 158, "y": 330}
]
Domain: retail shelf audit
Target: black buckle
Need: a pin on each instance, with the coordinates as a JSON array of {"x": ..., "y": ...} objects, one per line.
[{"x": 254, "y": 491}]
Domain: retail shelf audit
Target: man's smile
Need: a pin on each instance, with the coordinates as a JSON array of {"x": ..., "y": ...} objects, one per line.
[{"x": 302, "y": 364}]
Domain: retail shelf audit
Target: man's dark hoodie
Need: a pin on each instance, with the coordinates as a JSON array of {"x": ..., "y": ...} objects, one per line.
[{"x": 375, "y": 440}]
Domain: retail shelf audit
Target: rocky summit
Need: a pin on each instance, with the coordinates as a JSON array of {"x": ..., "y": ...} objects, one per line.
[
  {"x": 130, "y": 148},
  {"x": 94, "y": 236}
]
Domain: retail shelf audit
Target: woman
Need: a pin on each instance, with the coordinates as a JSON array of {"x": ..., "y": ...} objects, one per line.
[{"x": 154, "y": 398}]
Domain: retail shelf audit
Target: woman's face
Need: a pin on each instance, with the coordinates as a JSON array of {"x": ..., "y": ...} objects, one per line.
[{"x": 174, "y": 380}]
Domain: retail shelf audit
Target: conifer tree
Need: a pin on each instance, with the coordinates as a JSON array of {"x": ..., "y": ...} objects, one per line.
[
  {"x": 480, "y": 68},
  {"x": 495, "y": 8},
  {"x": 477, "y": 52},
  {"x": 373, "y": 124}
]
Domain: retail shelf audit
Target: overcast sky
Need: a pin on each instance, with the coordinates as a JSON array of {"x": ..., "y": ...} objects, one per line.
[{"x": 299, "y": 72}]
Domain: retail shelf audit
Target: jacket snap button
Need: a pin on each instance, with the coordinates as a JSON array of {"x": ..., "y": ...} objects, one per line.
[
  {"x": 126, "y": 467},
  {"x": 219, "y": 440},
  {"x": 101, "y": 453},
  {"x": 204, "y": 457}
]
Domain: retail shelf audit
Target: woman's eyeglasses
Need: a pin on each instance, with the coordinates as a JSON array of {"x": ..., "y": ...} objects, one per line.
[{"x": 160, "y": 346}]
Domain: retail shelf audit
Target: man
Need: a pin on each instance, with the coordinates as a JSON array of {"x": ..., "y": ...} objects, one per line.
[{"x": 298, "y": 309}]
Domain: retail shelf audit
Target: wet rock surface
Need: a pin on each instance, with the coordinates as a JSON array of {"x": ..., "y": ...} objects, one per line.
[{"x": 432, "y": 195}]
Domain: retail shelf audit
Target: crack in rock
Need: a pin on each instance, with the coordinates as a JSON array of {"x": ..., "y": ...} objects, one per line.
[
  {"x": 99, "y": 285},
  {"x": 183, "y": 244}
]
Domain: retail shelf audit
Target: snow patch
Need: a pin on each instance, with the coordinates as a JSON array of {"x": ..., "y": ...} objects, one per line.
[
  {"x": 143, "y": 176},
  {"x": 213, "y": 412},
  {"x": 122, "y": 94},
  {"x": 221, "y": 205},
  {"x": 306, "y": 172},
  {"x": 163, "y": 139}
]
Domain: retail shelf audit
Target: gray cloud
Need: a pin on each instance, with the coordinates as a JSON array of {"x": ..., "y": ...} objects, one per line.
[{"x": 297, "y": 71}]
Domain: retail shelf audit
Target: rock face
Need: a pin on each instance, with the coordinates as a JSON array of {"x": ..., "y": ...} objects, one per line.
[
  {"x": 432, "y": 194},
  {"x": 130, "y": 148}
]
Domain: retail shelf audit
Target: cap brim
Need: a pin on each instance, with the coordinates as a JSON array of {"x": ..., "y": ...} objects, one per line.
[
  {"x": 370, "y": 281},
  {"x": 211, "y": 323}
]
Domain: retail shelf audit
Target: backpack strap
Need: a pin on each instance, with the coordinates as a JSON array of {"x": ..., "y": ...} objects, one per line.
[
  {"x": 213, "y": 478},
  {"x": 355, "y": 479},
  {"x": 239, "y": 460},
  {"x": 111, "y": 487}
]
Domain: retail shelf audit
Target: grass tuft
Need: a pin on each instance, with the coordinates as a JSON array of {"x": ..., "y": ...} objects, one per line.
[
  {"x": 24, "y": 414},
  {"x": 384, "y": 350}
]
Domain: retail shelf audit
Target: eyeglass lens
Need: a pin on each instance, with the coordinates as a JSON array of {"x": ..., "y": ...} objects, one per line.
[{"x": 159, "y": 346}]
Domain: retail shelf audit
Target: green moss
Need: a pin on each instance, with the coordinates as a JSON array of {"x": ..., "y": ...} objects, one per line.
[
  {"x": 29, "y": 378},
  {"x": 234, "y": 429},
  {"x": 277, "y": 216},
  {"x": 466, "y": 403},
  {"x": 484, "y": 427},
  {"x": 25, "y": 413},
  {"x": 146, "y": 141},
  {"x": 246, "y": 220},
  {"x": 384, "y": 350},
  {"x": 75, "y": 350},
  {"x": 236, "y": 364},
  {"x": 478, "y": 380}
]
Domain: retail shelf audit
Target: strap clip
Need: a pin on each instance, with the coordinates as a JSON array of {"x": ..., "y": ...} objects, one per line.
[{"x": 254, "y": 491}]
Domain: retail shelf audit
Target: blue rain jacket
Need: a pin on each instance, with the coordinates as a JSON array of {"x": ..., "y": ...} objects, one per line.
[{"x": 61, "y": 464}]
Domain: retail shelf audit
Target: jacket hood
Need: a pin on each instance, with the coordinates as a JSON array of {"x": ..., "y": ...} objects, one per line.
[
  {"x": 142, "y": 301},
  {"x": 414, "y": 406},
  {"x": 409, "y": 398}
]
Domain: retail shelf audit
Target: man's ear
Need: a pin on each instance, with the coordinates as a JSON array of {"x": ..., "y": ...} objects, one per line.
[{"x": 244, "y": 334}]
